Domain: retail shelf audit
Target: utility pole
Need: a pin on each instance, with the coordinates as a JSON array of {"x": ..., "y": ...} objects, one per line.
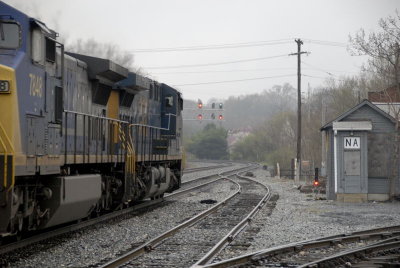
[{"x": 298, "y": 155}]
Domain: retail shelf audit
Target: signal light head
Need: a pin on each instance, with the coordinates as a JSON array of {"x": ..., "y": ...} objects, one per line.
[{"x": 221, "y": 105}]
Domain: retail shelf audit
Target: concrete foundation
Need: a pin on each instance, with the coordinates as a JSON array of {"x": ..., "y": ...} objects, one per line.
[
  {"x": 360, "y": 198},
  {"x": 378, "y": 197},
  {"x": 352, "y": 198}
]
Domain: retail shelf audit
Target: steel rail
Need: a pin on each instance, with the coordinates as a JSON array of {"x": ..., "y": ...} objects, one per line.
[
  {"x": 390, "y": 243},
  {"x": 307, "y": 244},
  {"x": 47, "y": 234},
  {"x": 191, "y": 170},
  {"x": 150, "y": 245},
  {"x": 236, "y": 230},
  {"x": 224, "y": 173},
  {"x": 176, "y": 193}
]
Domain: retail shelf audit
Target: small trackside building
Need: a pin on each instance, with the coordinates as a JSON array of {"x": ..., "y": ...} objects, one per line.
[{"x": 360, "y": 155}]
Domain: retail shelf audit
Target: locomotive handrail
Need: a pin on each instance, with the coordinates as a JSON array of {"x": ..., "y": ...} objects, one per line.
[
  {"x": 97, "y": 116},
  {"x": 125, "y": 122},
  {"x": 154, "y": 127}
]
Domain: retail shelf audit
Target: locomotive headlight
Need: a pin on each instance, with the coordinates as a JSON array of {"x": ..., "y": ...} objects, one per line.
[{"x": 4, "y": 86}]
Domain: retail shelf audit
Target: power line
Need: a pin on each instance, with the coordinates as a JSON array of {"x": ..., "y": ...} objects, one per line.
[
  {"x": 326, "y": 43},
  {"x": 209, "y": 47},
  {"x": 238, "y": 80},
  {"x": 316, "y": 68},
  {"x": 320, "y": 77},
  {"x": 215, "y": 63},
  {"x": 225, "y": 71},
  {"x": 325, "y": 71},
  {"x": 235, "y": 45}
]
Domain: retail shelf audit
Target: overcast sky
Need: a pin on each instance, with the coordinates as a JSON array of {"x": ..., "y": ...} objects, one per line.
[{"x": 151, "y": 24}]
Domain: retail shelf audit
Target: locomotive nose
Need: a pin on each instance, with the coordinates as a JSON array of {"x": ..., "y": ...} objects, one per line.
[{"x": 8, "y": 121}]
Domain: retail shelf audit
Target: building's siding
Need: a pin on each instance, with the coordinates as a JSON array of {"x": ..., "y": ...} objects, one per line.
[
  {"x": 377, "y": 150},
  {"x": 379, "y": 122},
  {"x": 378, "y": 185},
  {"x": 330, "y": 184}
]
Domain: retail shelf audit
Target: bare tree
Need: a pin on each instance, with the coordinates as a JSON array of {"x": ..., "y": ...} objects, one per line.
[{"x": 383, "y": 47}]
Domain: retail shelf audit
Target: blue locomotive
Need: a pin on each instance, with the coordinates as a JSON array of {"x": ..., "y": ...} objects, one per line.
[{"x": 79, "y": 135}]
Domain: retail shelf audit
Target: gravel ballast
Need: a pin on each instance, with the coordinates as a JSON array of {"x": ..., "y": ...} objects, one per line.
[
  {"x": 105, "y": 240},
  {"x": 298, "y": 216}
]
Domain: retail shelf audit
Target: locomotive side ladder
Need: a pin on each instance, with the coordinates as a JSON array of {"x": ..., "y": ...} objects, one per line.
[{"x": 130, "y": 156}]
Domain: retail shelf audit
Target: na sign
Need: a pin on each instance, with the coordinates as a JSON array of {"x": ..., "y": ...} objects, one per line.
[{"x": 352, "y": 142}]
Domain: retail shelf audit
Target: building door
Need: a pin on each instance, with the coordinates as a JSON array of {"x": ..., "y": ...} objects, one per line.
[{"x": 352, "y": 171}]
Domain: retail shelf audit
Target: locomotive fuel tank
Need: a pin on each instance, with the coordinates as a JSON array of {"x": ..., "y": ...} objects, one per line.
[{"x": 72, "y": 198}]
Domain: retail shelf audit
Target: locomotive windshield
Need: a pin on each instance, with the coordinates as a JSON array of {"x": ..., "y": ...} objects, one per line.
[{"x": 10, "y": 34}]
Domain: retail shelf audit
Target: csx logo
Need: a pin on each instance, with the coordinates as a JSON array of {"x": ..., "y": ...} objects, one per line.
[{"x": 36, "y": 85}]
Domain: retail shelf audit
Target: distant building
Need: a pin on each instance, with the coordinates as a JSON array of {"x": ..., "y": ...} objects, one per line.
[
  {"x": 236, "y": 135},
  {"x": 360, "y": 152},
  {"x": 387, "y": 100}
]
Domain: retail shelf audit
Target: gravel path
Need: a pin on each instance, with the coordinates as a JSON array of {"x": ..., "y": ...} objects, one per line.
[
  {"x": 90, "y": 245},
  {"x": 298, "y": 216}
]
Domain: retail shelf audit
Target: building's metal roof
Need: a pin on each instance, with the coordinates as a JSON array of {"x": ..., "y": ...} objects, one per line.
[{"x": 355, "y": 108}]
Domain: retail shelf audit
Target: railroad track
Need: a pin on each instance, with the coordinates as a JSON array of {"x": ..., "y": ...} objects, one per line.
[
  {"x": 191, "y": 170},
  {"x": 9, "y": 245},
  {"x": 369, "y": 248},
  {"x": 202, "y": 237},
  {"x": 201, "y": 181}
]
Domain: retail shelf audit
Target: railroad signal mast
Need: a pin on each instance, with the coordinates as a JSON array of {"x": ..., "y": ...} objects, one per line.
[
  {"x": 214, "y": 113},
  {"x": 316, "y": 178}
]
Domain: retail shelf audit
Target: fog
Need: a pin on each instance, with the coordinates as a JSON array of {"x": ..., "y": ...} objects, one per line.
[{"x": 139, "y": 28}]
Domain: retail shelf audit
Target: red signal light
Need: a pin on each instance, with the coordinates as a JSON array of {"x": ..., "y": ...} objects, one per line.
[
  {"x": 316, "y": 183},
  {"x": 220, "y": 117},
  {"x": 200, "y": 105}
]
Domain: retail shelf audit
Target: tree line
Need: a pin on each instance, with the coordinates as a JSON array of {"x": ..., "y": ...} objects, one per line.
[{"x": 272, "y": 114}]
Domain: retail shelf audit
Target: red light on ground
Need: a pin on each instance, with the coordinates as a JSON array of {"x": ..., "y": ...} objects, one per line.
[{"x": 200, "y": 117}]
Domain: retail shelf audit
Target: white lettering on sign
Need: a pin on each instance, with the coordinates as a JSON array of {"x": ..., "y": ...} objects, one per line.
[{"x": 352, "y": 142}]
